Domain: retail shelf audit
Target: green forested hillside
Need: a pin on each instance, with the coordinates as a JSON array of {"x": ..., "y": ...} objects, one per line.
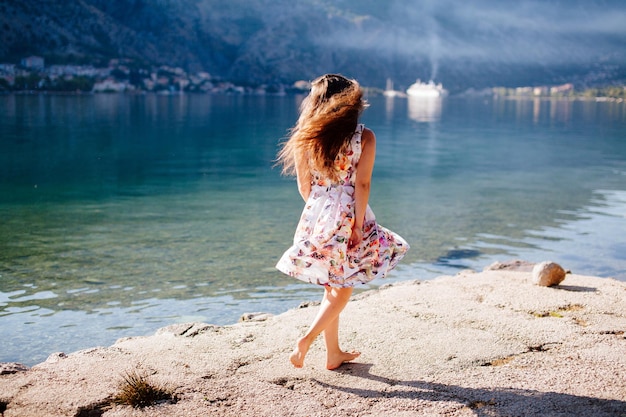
[{"x": 463, "y": 44}]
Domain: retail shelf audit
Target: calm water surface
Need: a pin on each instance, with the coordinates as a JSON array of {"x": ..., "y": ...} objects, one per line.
[{"x": 122, "y": 214}]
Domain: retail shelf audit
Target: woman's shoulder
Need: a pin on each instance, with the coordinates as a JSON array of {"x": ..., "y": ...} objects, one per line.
[{"x": 367, "y": 136}]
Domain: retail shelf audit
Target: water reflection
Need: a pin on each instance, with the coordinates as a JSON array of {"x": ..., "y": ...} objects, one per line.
[
  {"x": 561, "y": 111},
  {"x": 424, "y": 109},
  {"x": 536, "y": 110},
  {"x": 389, "y": 107}
]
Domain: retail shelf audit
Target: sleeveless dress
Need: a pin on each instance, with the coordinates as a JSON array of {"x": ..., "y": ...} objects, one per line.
[{"x": 320, "y": 252}]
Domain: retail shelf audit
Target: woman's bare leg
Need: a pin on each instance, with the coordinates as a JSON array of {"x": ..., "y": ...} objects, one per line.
[
  {"x": 334, "y": 355},
  {"x": 333, "y": 303}
]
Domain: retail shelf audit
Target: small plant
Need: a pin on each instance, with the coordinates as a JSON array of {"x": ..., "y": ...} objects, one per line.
[
  {"x": 557, "y": 313},
  {"x": 474, "y": 405},
  {"x": 135, "y": 390}
]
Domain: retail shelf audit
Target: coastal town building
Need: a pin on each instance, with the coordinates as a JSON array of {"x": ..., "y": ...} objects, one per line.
[
  {"x": 110, "y": 86},
  {"x": 7, "y": 69},
  {"x": 33, "y": 62},
  {"x": 562, "y": 89}
]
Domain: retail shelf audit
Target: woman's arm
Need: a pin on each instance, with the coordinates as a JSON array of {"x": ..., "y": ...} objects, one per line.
[
  {"x": 362, "y": 184},
  {"x": 303, "y": 177}
]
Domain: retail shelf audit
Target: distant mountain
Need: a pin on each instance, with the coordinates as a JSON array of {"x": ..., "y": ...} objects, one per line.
[{"x": 474, "y": 44}]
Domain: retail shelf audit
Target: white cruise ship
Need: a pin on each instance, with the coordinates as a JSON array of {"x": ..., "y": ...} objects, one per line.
[{"x": 426, "y": 90}]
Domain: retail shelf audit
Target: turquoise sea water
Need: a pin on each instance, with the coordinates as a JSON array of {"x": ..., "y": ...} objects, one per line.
[{"x": 122, "y": 214}]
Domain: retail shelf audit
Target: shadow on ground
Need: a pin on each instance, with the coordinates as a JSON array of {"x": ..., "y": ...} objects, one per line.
[{"x": 485, "y": 402}]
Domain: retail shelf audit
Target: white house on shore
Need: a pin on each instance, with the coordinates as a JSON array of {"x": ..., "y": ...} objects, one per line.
[
  {"x": 33, "y": 62},
  {"x": 109, "y": 85}
]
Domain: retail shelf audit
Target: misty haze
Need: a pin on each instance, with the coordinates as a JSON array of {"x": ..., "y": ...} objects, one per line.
[{"x": 475, "y": 44}]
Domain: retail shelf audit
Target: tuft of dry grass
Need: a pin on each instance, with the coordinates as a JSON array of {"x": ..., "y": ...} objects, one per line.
[
  {"x": 475, "y": 405},
  {"x": 138, "y": 392},
  {"x": 501, "y": 361},
  {"x": 557, "y": 313}
]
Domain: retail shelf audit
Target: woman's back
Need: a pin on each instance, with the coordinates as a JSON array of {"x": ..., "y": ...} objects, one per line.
[{"x": 345, "y": 164}]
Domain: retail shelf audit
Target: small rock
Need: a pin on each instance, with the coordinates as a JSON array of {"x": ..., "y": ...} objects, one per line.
[
  {"x": 512, "y": 265},
  {"x": 307, "y": 304},
  {"x": 187, "y": 329},
  {"x": 248, "y": 338},
  {"x": 56, "y": 356},
  {"x": 7, "y": 368},
  {"x": 255, "y": 317},
  {"x": 548, "y": 274}
]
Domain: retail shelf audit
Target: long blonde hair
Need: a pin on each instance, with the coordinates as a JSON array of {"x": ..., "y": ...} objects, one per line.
[{"x": 328, "y": 119}]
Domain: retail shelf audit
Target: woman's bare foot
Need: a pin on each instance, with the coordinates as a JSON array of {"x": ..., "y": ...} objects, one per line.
[
  {"x": 334, "y": 361},
  {"x": 299, "y": 352}
]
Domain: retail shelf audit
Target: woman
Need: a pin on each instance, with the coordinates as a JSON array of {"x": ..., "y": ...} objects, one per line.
[{"x": 338, "y": 243}]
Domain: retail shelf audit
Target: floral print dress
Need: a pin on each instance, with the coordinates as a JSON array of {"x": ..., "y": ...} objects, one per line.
[{"x": 320, "y": 252}]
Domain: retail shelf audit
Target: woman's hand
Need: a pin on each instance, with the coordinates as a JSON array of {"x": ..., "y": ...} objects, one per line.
[{"x": 356, "y": 237}]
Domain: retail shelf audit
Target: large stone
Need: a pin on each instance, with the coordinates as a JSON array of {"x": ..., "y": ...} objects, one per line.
[
  {"x": 548, "y": 274},
  {"x": 7, "y": 368}
]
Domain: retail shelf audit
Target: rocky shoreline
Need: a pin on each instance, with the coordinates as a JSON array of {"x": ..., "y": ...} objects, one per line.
[{"x": 475, "y": 344}]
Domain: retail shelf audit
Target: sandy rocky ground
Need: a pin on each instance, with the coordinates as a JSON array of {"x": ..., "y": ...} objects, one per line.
[{"x": 474, "y": 344}]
